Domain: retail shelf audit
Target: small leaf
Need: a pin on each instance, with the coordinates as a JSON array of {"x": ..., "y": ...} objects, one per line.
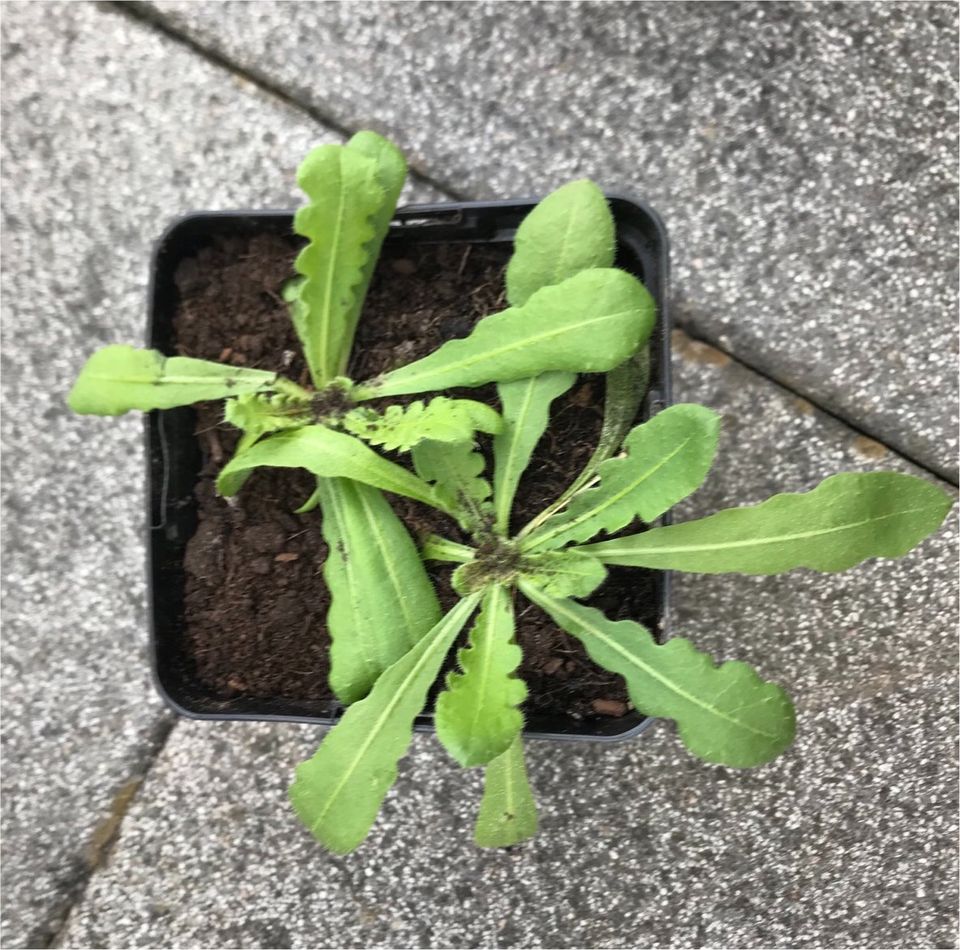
[
  {"x": 329, "y": 454},
  {"x": 382, "y": 601},
  {"x": 118, "y": 378},
  {"x": 667, "y": 459},
  {"x": 454, "y": 469},
  {"x": 724, "y": 714},
  {"x": 508, "y": 814},
  {"x": 846, "y": 519},
  {"x": 260, "y": 413},
  {"x": 526, "y": 409},
  {"x": 435, "y": 548},
  {"x": 476, "y": 716},
  {"x": 589, "y": 324},
  {"x": 400, "y": 428},
  {"x": 338, "y": 792},
  {"x": 564, "y": 573}
]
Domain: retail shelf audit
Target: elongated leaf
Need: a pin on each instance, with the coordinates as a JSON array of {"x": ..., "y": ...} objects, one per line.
[
  {"x": 454, "y": 470},
  {"x": 568, "y": 231},
  {"x": 329, "y": 454},
  {"x": 589, "y": 324},
  {"x": 526, "y": 409},
  {"x": 564, "y": 573},
  {"x": 724, "y": 714},
  {"x": 345, "y": 197},
  {"x": 259, "y": 413},
  {"x": 435, "y": 548},
  {"x": 667, "y": 459},
  {"x": 118, "y": 378},
  {"x": 440, "y": 420},
  {"x": 338, "y": 792},
  {"x": 846, "y": 519},
  {"x": 382, "y": 601},
  {"x": 508, "y": 814},
  {"x": 477, "y": 715}
]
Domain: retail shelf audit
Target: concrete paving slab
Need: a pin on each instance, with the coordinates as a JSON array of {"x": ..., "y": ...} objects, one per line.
[
  {"x": 803, "y": 156},
  {"x": 847, "y": 841},
  {"x": 110, "y": 130}
]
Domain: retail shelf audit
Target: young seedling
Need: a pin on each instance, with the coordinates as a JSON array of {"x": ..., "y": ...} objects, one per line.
[
  {"x": 725, "y": 713},
  {"x": 383, "y": 602}
]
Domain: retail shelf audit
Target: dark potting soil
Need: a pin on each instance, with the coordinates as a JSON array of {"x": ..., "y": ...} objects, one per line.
[{"x": 255, "y": 601}]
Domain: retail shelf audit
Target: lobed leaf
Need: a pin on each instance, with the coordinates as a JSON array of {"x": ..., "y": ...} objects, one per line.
[
  {"x": 119, "y": 378},
  {"x": 589, "y": 323},
  {"x": 666, "y": 459},
  {"x": 568, "y": 231},
  {"x": 508, "y": 814},
  {"x": 260, "y": 413},
  {"x": 725, "y": 714},
  {"x": 442, "y": 419},
  {"x": 338, "y": 792},
  {"x": 846, "y": 519},
  {"x": 382, "y": 601},
  {"x": 454, "y": 470},
  {"x": 477, "y": 716},
  {"x": 564, "y": 573},
  {"x": 526, "y": 410}
]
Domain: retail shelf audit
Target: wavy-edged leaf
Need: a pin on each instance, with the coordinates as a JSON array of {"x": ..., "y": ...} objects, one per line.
[
  {"x": 846, "y": 519},
  {"x": 382, "y": 601},
  {"x": 329, "y": 454},
  {"x": 526, "y": 410},
  {"x": 345, "y": 196},
  {"x": 400, "y": 428},
  {"x": 508, "y": 813},
  {"x": 338, "y": 792},
  {"x": 564, "y": 573},
  {"x": 455, "y": 470},
  {"x": 477, "y": 715},
  {"x": 666, "y": 459},
  {"x": 119, "y": 378},
  {"x": 260, "y": 413},
  {"x": 435, "y": 548},
  {"x": 568, "y": 231},
  {"x": 725, "y": 714},
  {"x": 590, "y": 323}
]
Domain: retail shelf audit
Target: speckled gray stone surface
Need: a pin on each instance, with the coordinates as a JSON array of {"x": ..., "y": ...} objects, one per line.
[
  {"x": 847, "y": 841},
  {"x": 803, "y": 156}
]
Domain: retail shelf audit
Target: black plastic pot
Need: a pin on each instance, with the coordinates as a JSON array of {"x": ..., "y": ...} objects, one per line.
[{"x": 173, "y": 455}]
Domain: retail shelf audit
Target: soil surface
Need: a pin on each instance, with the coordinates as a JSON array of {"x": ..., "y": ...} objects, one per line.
[{"x": 255, "y": 602}]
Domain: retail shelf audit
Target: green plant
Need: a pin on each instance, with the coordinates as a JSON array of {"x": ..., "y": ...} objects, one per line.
[{"x": 725, "y": 713}]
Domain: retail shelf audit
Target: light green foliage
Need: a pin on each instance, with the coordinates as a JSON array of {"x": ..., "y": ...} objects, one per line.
[
  {"x": 508, "y": 814},
  {"x": 455, "y": 472},
  {"x": 526, "y": 410},
  {"x": 666, "y": 459},
  {"x": 724, "y": 714},
  {"x": 344, "y": 221},
  {"x": 258, "y": 413},
  {"x": 568, "y": 231},
  {"x": 435, "y": 548},
  {"x": 477, "y": 717},
  {"x": 846, "y": 519},
  {"x": 119, "y": 378},
  {"x": 590, "y": 323},
  {"x": 338, "y": 792},
  {"x": 440, "y": 420},
  {"x": 382, "y": 601},
  {"x": 327, "y": 453},
  {"x": 563, "y": 573}
]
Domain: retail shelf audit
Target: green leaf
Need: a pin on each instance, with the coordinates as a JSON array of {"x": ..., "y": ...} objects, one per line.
[
  {"x": 259, "y": 413},
  {"x": 440, "y": 420},
  {"x": 382, "y": 601},
  {"x": 338, "y": 792},
  {"x": 435, "y": 548},
  {"x": 119, "y": 378},
  {"x": 345, "y": 198},
  {"x": 568, "y": 231},
  {"x": 589, "y": 324},
  {"x": 454, "y": 470},
  {"x": 329, "y": 454},
  {"x": 508, "y": 814},
  {"x": 476, "y": 716},
  {"x": 666, "y": 459},
  {"x": 526, "y": 410},
  {"x": 846, "y": 519},
  {"x": 724, "y": 714},
  {"x": 564, "y": 573}
]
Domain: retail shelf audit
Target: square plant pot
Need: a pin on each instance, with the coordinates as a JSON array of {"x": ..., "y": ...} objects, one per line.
[{"x": 174, "y": 456}]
